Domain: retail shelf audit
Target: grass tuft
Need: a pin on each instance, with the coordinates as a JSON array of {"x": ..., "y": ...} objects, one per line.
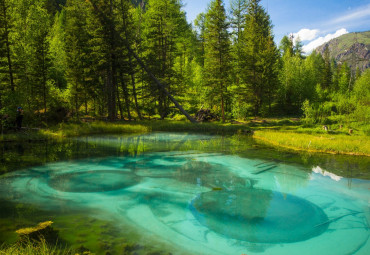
[{"x": 33, "y": 248}]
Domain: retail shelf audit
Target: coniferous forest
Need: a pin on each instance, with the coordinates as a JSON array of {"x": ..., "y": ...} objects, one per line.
[
  {"x": 108, "y": 159},
  {"x": 122, "y": 59}
]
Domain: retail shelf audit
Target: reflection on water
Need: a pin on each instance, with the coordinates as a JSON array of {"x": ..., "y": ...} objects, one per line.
[
  {"x": 190, "y": 194},
  {"x": 257, "y": 215}
]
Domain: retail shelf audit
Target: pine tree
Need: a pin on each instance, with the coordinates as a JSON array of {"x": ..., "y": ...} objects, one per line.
[
  {"x": 199, "y": 24},
  {"x": 344, "y": 78},
  {"x": 57, "y": 51},
  {"x": 162, "y": 29},
  {"x": 327, "y": 72},
  {"x": 5, "y": 51},
  {"x": 217, "y": 54},
  {"x": 286, "y": 46},
  {"x": 78, "y": 52},
  {"x": 238, "y": 12},
  {"x": 259, "y": 57}
]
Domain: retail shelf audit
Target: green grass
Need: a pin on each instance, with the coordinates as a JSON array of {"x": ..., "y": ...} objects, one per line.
[
  {"x": 33, "y": 248},
  {"x": 184, "y": 126},
  {"x": 80, "y": 129},
  {"x": 316, "y": 141}
]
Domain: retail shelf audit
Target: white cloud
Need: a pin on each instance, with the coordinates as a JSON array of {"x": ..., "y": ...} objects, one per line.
[
  {"x": 306, "y": 34},
  {"x": 357, "y": 14},
  {"x": 308, "y": 48}
]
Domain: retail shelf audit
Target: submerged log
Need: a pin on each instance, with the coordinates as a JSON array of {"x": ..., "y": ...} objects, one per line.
[{"x": 43, "y": 231}]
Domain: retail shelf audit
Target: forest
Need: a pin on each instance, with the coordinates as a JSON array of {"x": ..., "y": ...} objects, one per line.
[{"x": 141, "y": 59}]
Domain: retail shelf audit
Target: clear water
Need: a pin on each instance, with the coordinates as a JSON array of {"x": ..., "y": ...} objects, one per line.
[{"x": 198, "y": 194}]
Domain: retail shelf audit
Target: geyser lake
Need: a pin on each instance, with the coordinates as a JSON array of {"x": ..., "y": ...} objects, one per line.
[{"x": 181, "y": 193}]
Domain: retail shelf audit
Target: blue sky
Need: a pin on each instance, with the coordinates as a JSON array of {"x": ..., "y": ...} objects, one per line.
[{"x": 314, "y": 21}]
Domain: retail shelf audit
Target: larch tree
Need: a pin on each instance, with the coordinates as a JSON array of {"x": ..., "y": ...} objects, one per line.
[
  {"x": 259, "y": 56},
  {"x": 238, "y": 12},
  {"x": 217, "y": 55},
  {"x": 162, "y": 27},
  {"x": 78, "y": 52},
  {"x": 5, "y": 51}
]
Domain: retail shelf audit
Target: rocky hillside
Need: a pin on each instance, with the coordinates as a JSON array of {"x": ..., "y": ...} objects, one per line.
[{"x": 353, "y": 48}]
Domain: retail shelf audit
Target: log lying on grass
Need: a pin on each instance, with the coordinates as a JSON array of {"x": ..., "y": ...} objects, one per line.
[{"x": 205, "y": 115}]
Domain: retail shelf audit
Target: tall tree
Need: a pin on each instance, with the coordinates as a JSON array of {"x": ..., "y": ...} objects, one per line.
[
  {"x": 259, "y": 56},
  {"x": 78, "y": 52},
  {"x": 327, "y": 73},
  {"x": 238, "y": 12},
  {"x": 5, "y": 51},
  {"x": 217, "y": 54},
  {"x": 162, "y": 27}
]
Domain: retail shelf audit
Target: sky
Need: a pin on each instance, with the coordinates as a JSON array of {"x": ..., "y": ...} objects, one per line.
[{"x": 313, "y": 21}]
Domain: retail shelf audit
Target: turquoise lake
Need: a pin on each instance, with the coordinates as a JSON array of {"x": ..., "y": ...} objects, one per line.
[{"x": 184, "y": 193}]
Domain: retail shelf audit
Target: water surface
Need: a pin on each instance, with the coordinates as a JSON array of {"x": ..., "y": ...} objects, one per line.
[{"x": 190, "y": 194}]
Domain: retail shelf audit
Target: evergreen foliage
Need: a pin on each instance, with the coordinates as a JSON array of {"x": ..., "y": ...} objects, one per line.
[
  {"x": 216, "y": 56},
  {"x": 65, "y": 59}
]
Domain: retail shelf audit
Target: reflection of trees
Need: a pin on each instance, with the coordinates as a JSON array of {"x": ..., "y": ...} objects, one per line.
[
  {"x": 15, "y": 155},
  {"x": 237, "y": 214},
  {"x": 210, "y": 175}
]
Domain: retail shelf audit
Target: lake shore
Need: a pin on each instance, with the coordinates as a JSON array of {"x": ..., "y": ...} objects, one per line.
[{"x": 279, "y": 133}]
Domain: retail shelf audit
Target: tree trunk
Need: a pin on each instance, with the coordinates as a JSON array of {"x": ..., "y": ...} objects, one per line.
[
  {"x": 222, "y": 107},
  {"x": 134, "y": 88},
  {"x": 119, "y": 103},
  {"x": 125, "y": 94},
  {"x": 112, "y": 79},
  {"x": 44, "y": 79}
]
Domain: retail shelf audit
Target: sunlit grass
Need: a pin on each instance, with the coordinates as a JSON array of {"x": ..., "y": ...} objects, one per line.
[
  {"x": 80, "y": 129},
  {"x": 185, "y": 126},
  {"x": 33, "y": 248},
  {"x": 316, "y": 142}
]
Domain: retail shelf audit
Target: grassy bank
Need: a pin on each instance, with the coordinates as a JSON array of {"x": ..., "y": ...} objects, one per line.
[
  {"x": 273, "y": 132},
  {"x": 80, "y": 129},
  {"x": 316, "y": 142}
]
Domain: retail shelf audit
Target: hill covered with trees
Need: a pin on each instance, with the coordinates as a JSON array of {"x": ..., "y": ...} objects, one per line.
[{"x": 124, "y": 59}]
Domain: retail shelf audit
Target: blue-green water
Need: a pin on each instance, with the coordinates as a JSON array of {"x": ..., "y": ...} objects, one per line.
[{"x": 199, "y": 194}]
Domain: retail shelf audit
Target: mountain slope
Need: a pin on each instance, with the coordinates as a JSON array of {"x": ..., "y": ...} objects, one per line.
[{"x": 353, "y": 48}]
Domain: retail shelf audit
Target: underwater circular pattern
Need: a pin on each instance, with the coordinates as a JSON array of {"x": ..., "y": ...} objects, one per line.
[
  {"x": 196, "y": 202},
  {"x": 258, "y": 215},
  {"x": 93, "y": 181}
]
